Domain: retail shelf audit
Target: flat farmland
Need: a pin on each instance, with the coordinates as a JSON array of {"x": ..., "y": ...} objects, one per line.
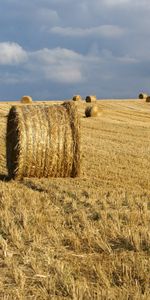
[{"x": 87, "y": 237}]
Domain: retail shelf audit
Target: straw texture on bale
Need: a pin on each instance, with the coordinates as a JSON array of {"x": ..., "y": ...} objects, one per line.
[
  {"x": 148, "y": 99},
  {"x": 77, "y": 98},
  {"x": 143, "y": 96},
  {"x": 26, "y": 99},
  {"x": 92, "y": 111},
  {"x": 90, "y": 98},
  {"x": 43, "y": 141},
  {"x": 4, "y": 110}
]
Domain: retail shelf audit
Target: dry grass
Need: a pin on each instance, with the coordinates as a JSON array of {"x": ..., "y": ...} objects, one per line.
[
  {"x": 43, "y": 141},
  {"x": 88, "y": 237},
  {"x": 26, "y": 99},
  {"x": 92, "y": 111},
  {"x": 91, "y": 98}
]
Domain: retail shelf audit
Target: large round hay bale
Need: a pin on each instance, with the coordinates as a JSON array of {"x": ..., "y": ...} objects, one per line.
[
  {"x": 143, "y": 96},
  {"x": 26, "y": 99},
  {"x": 43, "y": 141},
  {"x": 148, "y": 99},
  {"x": 77, "y": 98},
  {"x": 92, "y": 111},
  {"x": 91, "y": 98}
]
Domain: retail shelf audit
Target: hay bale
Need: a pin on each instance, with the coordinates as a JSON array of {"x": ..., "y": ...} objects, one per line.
[
  {"x": 26, "y": 99},
  {"x": 91, "y": 98},
  {"x": 43, "y": 141},
  {"x": 77, "y": 98},
  {"x": 143, "y": 96},
  {"x": 148, "y": 99},
  {"x": 92, "y": 111}
]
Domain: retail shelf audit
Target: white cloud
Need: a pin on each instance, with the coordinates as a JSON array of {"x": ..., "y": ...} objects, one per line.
[
  {"x": 58, "y": 64},
  {"x": 107, "y": 31},
  {"x": 56, "y": 55},
  {"x": 11, "y": 54}
]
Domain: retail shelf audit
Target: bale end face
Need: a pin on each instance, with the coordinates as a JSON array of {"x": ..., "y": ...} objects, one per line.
[
  {"x": 92, "y": 111},
  {"x": 91, "y": 98},
  {"x": 26, "y": 99}
]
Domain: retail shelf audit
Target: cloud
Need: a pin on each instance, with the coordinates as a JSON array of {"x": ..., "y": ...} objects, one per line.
[
  {"x": 107, "y": 31},
  {"x": 11, "y": 54},
  {"x": 52, "y": 70},
  {"x": 65, "y": 66},
  {"x": 58, "y": 64}
]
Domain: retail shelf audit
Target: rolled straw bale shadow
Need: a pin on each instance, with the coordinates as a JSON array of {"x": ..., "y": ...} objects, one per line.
[
  {"x": 91, "y": 98},
  {"x": 143, "y": 96},
  {"x": 92, "y": 111},
  {"x": 43, "y": 141},
  {"x": 26, "y": 99},
  {"x": 35, "y": 187}
]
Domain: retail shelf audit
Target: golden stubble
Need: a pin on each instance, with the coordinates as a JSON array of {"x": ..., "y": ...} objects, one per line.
[{"x": 87, "y": 237}]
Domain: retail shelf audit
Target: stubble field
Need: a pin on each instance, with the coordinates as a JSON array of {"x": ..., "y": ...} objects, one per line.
[{"x": 88, "y": 237}]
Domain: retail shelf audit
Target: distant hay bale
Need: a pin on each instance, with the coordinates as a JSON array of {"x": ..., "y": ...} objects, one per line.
[
  {"x": 77, "y": 98},
  {"x": 92, "y": 111},
  {"x": 26, "y": 99},
  {"x": 43, "y": 141},
  {"x": 143, "y": 96},
  {"x": 148, "y": 99},
  {"x": 91, "y": 98}
]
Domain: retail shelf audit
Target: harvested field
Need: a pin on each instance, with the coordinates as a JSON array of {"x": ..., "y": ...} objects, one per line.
[{"x": 88, "y": 237}]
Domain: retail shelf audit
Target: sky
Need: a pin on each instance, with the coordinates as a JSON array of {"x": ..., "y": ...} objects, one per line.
[{"x": 54, "y": 49}]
